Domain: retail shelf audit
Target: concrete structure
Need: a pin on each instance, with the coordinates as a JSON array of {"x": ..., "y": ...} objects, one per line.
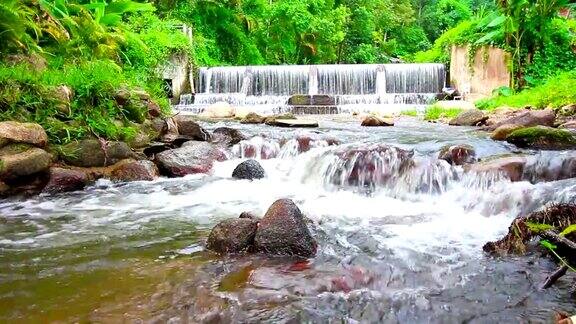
[
  {"x": 489, "y": 71},
  {"x": 177, "y": 72}
]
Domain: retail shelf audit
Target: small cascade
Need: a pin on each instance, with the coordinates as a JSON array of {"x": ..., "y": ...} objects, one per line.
[
  {"x": 257, "y": 148},
  {"x": 267, "y": 89}
]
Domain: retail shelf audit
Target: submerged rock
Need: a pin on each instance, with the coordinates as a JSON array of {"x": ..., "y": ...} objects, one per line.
[
  {"x": 253, "y": 118},
  {"x": 95, "y": 153},
  {"x": 249, "y": 169},
  {"x": 234, "y": 235},
  {"x": 283, "y": 231},
  {"x": 64, "y": 180},
  {"x": 294, "y": 123},
  {"x": 192, "y": 157},
  {"x": 15, "y": 132},
  {"x": 470, "y": 117},
  {"x": 18, "y": 160},
  {"x": 227, "y": 136},
  {"x": 541, "y": 137},
  {"x": 373, "y": 121},
  {"x": 458, "y": 154},
  {"x": 187, "y": 126},
  {"x": 523, "y": 117}
]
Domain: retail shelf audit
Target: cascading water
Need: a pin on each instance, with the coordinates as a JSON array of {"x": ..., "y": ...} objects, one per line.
[
  {"x": 384, "y": 87},
  {"x": 399, "y": 233}
]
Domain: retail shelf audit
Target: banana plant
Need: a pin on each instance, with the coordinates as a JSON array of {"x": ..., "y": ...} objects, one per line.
[{"x": 110, "y": 13}]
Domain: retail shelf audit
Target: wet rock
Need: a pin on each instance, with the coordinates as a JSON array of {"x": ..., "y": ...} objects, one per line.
[
  {"x": 15, "y": 132},
  {"x": 569, "y": 125},
  {"x": 523, "y": 117},
  {"x": 544, "y": 138},
  {"x": 503, "y": 131},
  {"x": 227, "y": 136},
  {"x": 253, "y": 118},
  {"x": 122, "y": 96},
  {"x": 248, "y": 215},
  {"x": 64, "y": 180},
  {"x": 470, "y": 117},
  {"x": 249, "y": 169},
  {"x": 95, "y": 153},
  {"x": 132, "y": 170},
  {"x": 294, "y": 123},
  {"x": 18, "y": 160},
  {"x": 219, "y": 110},
  {"x": 234, "y": 235},
  {"x": 283, "y": 231},
  {"x": 187, "y": 126},
  {"x": 193, "y": 157},
  {"x": 373, "y": 121},
  {"x": 512, "y": 167},
  {"x": 544, "y": 167},
  {"x": 458, "y": 154}
]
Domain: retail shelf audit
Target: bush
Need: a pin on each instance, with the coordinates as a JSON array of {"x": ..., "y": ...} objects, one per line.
[{"x": 556, "y": 92}]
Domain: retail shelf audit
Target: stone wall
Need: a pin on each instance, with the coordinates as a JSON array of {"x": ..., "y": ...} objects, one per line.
[
  {"x": 177, "y": 70},
  {"x": 488, "y": 72}
]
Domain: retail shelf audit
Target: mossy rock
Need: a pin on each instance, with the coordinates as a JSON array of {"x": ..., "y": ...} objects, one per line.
[
  {"x": 19, "y": 160},
  {"x": 542, "y": 137}
]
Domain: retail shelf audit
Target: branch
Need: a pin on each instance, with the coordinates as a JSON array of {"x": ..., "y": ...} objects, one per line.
[
  {"x": 552, "y": 236},
  {"x": 554, "y": 277}
]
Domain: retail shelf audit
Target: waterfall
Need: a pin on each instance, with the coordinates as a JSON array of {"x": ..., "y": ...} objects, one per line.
[{"x": 354, "y": 86}]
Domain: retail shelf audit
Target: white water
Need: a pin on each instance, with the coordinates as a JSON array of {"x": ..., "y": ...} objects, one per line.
[{"x": 386, "y": 87}]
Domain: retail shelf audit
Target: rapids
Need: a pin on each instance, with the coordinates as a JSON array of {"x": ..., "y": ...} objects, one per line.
[{"x": 396, "y": 244}]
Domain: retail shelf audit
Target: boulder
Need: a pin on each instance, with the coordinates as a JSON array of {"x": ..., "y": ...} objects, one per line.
[
  {"x": 249, "y": 169},
  {"x": 568, "y": 110},
  {"x": 458, "y": 154},
  {"x": 234, "y": 235},
  {"x": 95, "y": 153},
  {"x": 283, "y": 231},
  {"x": 15, "y": 132},
  {"x": 500, "y": 133},
  {"x": 377, "y": 121},
  {"x": 248, "y": 215},
  {"x": 294, "y": 123},
  {"x": 187, "y": 126},
  {"x": 522, "y": 117},
  {"x": 193, "y": 157},
  {"x": 544, "y": 138},
  {"x": 132, "y": 170},
  {"x": 219, "y": 110},
  {"x": 512, "y": 167},
  {"x": 253, "y": 118},
  {"x": 227, "y": 136},
  {"x": 19, "y": 160},
  {"x": 154, "y": 109},
  {"x": 470, "y": 117},
  {"x": 64, "y": 180}
]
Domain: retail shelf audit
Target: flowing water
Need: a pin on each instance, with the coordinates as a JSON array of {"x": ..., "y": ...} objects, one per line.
[
  {"x": 400, "y": 238},
  {"x": 386, "y": 88}
]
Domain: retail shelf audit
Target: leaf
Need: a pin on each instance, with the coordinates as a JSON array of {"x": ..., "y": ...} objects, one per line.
[
  {"x": 533, "y": 227},
  {"x": 548, "y": 245},
  {"x": 489, "y": 37},
  {"x": 496, "y": 21},
  {"x": 568, "y": 230}
]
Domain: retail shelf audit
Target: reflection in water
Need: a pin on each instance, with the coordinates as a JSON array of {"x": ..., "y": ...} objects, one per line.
[{"x": 403, "y": 246}]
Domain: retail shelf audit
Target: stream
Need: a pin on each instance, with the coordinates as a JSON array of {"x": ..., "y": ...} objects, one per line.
[{"x": 400, "y": 248}]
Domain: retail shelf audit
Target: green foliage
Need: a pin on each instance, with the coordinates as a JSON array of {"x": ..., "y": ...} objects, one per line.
[
  {"x": 436, "y": 112},
  {"x": 538, "y": 227},
  {"x": 556, "y": 92},
  {"x": 409, "y": 112},
  {"x": 568, "y": 230}
]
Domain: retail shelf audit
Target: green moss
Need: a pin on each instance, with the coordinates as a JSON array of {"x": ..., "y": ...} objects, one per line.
[
  {"x": 542, "y": 137},
  {"x": 436, "y": 112}
]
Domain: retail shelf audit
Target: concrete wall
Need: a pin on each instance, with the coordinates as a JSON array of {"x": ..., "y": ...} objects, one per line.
[
  {"x": 489, "y": 71},
  {"x": 178, "y": 70}
]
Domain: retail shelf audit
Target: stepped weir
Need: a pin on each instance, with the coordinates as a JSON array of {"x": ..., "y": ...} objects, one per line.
[{"x": 317, "y": 89}]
